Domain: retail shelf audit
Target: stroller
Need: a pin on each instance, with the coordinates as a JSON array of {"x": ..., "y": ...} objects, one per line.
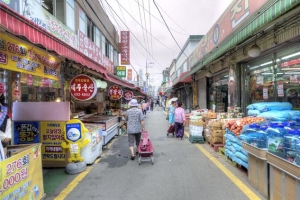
[{"x": 145, "y": 149}]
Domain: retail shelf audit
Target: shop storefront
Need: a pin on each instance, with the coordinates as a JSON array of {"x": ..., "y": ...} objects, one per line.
[{"x": 274, "y": 78}]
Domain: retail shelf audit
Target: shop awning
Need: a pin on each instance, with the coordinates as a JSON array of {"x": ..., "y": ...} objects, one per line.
[
  {"x": 120, "y": 82},
  {"x": 183, "y": 78},
  {"x": 21, "y": 26}
]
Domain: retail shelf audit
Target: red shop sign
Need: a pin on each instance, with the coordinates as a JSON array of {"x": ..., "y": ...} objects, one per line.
[
  {"x": 115, "y": 92},
  {"x": 128, "y": 95},
  {"x": 83, "y": 87}
]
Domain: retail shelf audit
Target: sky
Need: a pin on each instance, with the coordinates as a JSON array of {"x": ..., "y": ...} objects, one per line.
[{"x": 151, "y": 41}]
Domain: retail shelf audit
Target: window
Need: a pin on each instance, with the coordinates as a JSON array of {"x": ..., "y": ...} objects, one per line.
[
  {"x": 82, "y": 22},
  {"x": 111, "y": 52},
  {"x": 59, "y": 8},
  {"x": 70, "y": 17},
  {"x": 106, "y": 48},
  {"x": 103, "y": 44},
  {"x": 97, "y": 36}
]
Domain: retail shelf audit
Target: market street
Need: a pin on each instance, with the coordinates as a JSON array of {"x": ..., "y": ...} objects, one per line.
[{"x": 181, "y": 170}]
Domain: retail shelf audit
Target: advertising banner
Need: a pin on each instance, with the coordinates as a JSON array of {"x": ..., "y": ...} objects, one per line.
[
  {"x": 89, "y": 48},
  {"x": 128, "y": 95},
  {"x": 52, "y": 136},
  {"x": 108, "y": 64},
  {"x": 125, "y": 48},
  {"x": 13, "y": 4},
  {"x": 34, "y": 11},
  {"x": 129, "y": 74},
  {"x": 115, "y": 92},
  {"x": 231, "y": 19},
  {"x": 20, "y": 56},
  {"x": 121, "y": 71},
  {"x": 22, "y": 176},
  {"x": 83, "y": 87},
  {"x": 26, "y": 132}
]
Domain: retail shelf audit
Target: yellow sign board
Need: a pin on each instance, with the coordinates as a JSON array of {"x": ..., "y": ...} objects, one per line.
[
  {"x": 22, "y": 175},
  {"x": 21, "y": 56},
  {"x": 52, "y": 135}
]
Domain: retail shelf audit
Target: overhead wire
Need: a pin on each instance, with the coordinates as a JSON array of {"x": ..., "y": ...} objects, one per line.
[
  {"x": 172, "y": 19},
  {"x": 142, "y": 26},
  {"x": 148, "y": 47},
  {"x": 132, "y": 33},
  {"x": 169, "y": 29},
  {"x": 162, "y": 22},
  {"x": 150, "y": 29}
]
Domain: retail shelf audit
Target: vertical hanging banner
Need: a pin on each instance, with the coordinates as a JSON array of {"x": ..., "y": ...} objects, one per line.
[
  {"x": 125, "y": 48},
  {"x": 129, "y": 74}
]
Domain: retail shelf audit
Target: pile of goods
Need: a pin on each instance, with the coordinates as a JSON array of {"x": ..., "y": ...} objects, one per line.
[
  {"x": 236, "y": 125},
  {"x": 269, "y": 111},
  {"x": 234, "y": 150},
  {"x": 215, "y": 131}
]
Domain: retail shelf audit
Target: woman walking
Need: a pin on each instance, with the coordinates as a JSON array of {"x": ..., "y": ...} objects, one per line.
[
  {"x": 135, "y": 125},
  {"x": 179, "y": 120},
  {"x": 171, "y": 112}
]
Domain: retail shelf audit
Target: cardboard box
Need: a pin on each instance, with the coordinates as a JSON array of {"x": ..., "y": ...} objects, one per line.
[
  {"x": 217, "y": 133},
  {"x": 198, "y": 123},
  {"x": 215, "y": 124},
  {"x": 216, "y": 140}
]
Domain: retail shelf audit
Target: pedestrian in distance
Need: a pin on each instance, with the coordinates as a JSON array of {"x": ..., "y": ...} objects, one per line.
[
  {"x": 152, "y": 105},
  {"x": 135, "y": 126},
  {"x": 144, "y": 108},
  {"x": 179, "y": 120}
]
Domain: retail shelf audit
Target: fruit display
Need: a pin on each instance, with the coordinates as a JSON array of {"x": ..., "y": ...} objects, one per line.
[{"x": 236, "y": 125}]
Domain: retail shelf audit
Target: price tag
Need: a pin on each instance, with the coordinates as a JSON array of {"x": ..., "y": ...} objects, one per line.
[
  {"x": 293, "y": 79},
  {"x": 260, "y": 80}
]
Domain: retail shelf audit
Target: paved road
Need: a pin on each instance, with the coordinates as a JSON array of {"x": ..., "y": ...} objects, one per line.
[{"x": 181, "y": 171}]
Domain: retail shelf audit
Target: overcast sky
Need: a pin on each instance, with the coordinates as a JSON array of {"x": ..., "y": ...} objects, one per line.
[{"x": 183, "y": 17}]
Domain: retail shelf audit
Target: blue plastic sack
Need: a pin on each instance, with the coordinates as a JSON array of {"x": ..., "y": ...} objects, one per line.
[
  {"x": 231, "y": 148},
  {"x": 253, "y": 113},
  {"x": 244, "y": 164},
  {"x": 294, "y": 114},
  {"x": 230, "y": 137},
  {"x": 242, "y": 137},
  {"x": 228, "y": 153},
  {"x": 268, "y": 106},
  {"x": 228, "y": 142},
  {"x": 276, "y": 116},
  {"x": 241, "y": 156}
]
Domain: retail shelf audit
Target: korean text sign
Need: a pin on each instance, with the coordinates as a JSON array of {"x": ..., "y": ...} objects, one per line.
[
  {"x": 83, "y": 87},
  {"x": 22, "y": 176},
  {"x": 125, "y": 48},
  {"x": 129, "y": 74},
  {"x": 52, "y": 135},
  {"x": 26, "y": 132},
  {"x": 115, "y": 92},
  {"x": 121, "y": 71},
  {"x": 128, "y": 95},
  {"x": 20, "y": 56}
]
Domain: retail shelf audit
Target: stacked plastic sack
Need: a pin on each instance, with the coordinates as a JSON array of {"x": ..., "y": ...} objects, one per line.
[
  {"x": 269, "y": 111},
  {"x": 234, "y": 150}
]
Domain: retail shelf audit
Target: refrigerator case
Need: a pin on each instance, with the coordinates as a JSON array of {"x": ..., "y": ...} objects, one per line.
[
  {"x": 93, "y": 149},
  {"x": 109, "y": 125}
]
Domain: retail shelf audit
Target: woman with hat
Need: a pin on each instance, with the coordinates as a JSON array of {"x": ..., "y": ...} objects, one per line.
[{"x": 135, "y": 125}]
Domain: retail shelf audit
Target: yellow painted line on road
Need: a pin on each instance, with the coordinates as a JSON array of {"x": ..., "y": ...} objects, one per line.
[
  {"x": 246, "y": 190},
  {"x": 65, "y": 192}
]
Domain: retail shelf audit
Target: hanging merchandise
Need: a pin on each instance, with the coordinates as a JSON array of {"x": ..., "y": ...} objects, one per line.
[
  {"x": 265, "y": 93},
  {"x": 280, "y": 90},
  {"x": 115, "y": 92}
]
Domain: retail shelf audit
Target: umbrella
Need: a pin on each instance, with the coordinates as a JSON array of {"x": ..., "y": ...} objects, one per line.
[{"x": 172, "y": 99}]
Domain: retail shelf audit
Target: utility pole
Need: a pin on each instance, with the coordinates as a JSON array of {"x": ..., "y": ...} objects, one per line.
[{"x": 147, "y": 76}]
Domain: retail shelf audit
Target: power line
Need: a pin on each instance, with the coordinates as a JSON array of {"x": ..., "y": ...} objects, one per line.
[
  {"x": 150, "y": 29},
  {"x": 131, "y": 32},
  {"x": 142, "y": 27},
  {"x": 172, "y": 19},
  {"x": 169, "y": 29},
  {"x": 163, "y": 22},
  {"x": 146, "y": 27}
]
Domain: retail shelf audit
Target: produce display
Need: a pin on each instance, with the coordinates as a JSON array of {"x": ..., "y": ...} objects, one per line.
[{"x": 236, "y": 125}]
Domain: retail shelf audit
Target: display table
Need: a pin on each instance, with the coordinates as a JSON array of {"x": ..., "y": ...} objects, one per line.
[
  {"x": 257, "y": 168},
  {"x": 109, "y": 125},
  {"x": 93, "y": 149},
  {"x": 22, "y": 174},
  {"x": 284, "y": 178}
]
